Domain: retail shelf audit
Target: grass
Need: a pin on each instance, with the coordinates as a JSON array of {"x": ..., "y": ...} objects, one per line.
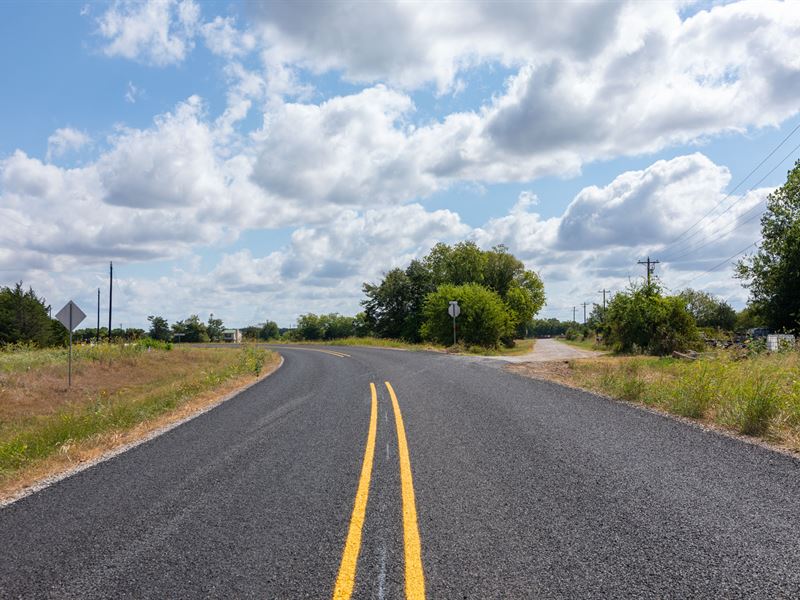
[
  {"x": 520, "y": 347},
  {"x": 757, "y": 395},
  {"x": 115, "y": 389},
  {"x": 587, "y": 344}
]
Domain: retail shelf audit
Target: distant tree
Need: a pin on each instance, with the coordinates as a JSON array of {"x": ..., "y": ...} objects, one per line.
[
  {"x": 214, "y": 328},
  {"x": 24, "y": 318},
  {"x": 336, "y": 326},
  {"x": 394, "y": 307},
  {"x": 269, "y": 331},
  {"x": 159, "y": 328},
  {"x": 640, "y": 319},
  {"x": 389, "y": 305},
  {"x": 709, "y": 311},
  {"x": 748, "y": 318},
  {"x": 190, "y": 330},
  {"x": 772, "y": 274},
  {"x": 542, "y": 327},
  {"x": 309, "y": 327},
  {"x": 484, "y": 319},
  {"x": 361, "y": 325}
]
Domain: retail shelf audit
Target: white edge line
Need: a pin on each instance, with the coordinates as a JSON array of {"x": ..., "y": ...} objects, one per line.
[{"x": 49, "y": 480}]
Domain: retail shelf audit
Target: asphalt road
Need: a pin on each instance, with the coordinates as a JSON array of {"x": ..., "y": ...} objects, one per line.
[{"x": 521, "y": 489}]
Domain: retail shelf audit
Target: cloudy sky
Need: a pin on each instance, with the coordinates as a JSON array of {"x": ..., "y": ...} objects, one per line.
[{"x": 259, "y": 161}]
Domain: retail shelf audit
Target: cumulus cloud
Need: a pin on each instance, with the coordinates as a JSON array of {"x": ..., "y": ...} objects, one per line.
[
  {"x": 224, "y": 39},
  {"x": 157, "y": 32},
  {"x": 65, "y": 140}
]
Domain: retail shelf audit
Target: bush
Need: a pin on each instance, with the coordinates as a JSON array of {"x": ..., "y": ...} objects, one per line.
[
  {"x": 641, "y": 320},
  {"x": 484, "y": 318}
]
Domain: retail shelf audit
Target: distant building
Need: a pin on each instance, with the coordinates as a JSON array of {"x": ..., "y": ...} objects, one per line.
[{"x": 233, "y": 336}]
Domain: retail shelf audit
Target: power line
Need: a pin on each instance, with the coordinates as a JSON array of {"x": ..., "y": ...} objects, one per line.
[
  {"x": 722, "y": 234},
  {"x": 715, "y": 267},
  {"x": 737, "y": 186},
  {"x": 750, "y": 189}
]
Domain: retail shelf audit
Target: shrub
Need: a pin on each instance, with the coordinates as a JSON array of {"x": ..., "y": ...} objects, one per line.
[
  {"x": 484, "y": 318},
  {"x": 640, "y": 319}
]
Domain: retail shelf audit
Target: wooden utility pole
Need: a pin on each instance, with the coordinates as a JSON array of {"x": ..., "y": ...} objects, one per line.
[
  {"x": 651, "y": 266},
  {"x": 574, "y": 308},
  {"x": 604, "y": 292},
  {"x": 110, "y": 295},
  {"x": 585, "y": 304}
]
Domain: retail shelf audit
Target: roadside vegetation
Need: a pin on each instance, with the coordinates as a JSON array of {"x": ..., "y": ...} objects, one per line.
[
  {"x": 520, "y": 346},
  {"x": 119, "y": 392},
  {"x": 752, "y": 393}
]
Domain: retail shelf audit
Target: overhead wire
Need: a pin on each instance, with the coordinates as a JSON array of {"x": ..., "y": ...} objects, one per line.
[
  {"x": 689, "y": 250},
  {"x": 736, "y": 187}
]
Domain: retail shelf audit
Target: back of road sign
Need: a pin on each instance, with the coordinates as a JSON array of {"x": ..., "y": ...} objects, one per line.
[
  {"x": 454, "y": 309},
  {"x": 70, "y": 316}
]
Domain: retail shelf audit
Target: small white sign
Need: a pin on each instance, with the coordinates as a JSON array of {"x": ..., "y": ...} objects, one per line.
[
  {"x": 70, "y": 316},
  {"x": 454, "y": 309}
]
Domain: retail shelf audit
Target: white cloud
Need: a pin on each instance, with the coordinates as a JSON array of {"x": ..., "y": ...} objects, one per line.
[
  {"x": 224, "y": 39},
  {"x": 133, "y": 93},
  {"x": 157, "y": 32},
  {"x": 65, "y": 140}
]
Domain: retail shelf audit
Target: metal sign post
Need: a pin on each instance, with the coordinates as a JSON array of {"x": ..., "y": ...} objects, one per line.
[
  {"x": 454, "y": 310},
  {"x": 70, "y": 316}
]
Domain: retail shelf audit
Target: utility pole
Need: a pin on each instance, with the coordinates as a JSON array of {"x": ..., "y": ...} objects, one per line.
[
  {"x": 651, "y": 266},
  {"x": 97, "y": 336},
  {"x": 604, "y": 292},
  {"x": 110, "y": 295},
  {"x": 573, "y": 314},
  {"x": 584, "y": 312}
]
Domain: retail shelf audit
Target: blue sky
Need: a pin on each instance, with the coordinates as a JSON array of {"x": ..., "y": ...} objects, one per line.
[{"x": 259, "y": 161}]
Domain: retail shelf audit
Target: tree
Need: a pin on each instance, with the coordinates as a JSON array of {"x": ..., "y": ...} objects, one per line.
[
  {"x": 394, "y": 307},
  {"x": 309, "y": 327},
  {"x": 24, "y": 318},
  {"x": 190, "y": 330},
  {"x": 772, "y": 274},
  {"x": 484, "y": 319},
  {"x": 709, "y": 311},
  {"x": 214, "y": 328},
  {"x": 269, "y": 331},
  {"x": 642, "y": 320},
  {"x": 159, "y": 328}
]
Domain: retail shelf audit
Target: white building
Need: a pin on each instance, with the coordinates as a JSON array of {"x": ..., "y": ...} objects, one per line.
[{"x": 232, "y": 335}]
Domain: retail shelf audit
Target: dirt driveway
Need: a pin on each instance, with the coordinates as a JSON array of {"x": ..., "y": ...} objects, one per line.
[{"x": 550, "y": 350}]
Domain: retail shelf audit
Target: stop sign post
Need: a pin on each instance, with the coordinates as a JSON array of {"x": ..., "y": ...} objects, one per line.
[{"x": 454, "y": 310}]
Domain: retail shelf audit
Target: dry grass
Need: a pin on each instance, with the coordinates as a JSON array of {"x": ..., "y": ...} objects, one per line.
[
  {"x": 118, "y": 395},
  {"x": 756, "y": 396}
]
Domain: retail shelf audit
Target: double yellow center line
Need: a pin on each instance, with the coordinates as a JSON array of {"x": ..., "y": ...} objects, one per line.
[{"x": 415, "y": 578}]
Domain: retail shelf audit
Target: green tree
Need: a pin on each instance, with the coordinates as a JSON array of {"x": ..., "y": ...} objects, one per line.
[
  {"x": 214, "y": 328},
  {"x": 309, "y": 327},
  {"x": 269, "y": 331},
  {"x": 709, "y": 311},
  {"x": 24, "y": 318},
  {"x": 389, "y": 304},
  {"x": 772, "y": 274},
  {"x": 484, "y": 318},
  {"x": 642, "y": 320},
  {"x": 159, "y": 328},
  {"x": 190, "y": 330}
]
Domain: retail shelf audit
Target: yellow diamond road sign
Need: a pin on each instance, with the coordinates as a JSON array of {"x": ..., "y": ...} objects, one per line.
[{"x": 70, "y": 316}]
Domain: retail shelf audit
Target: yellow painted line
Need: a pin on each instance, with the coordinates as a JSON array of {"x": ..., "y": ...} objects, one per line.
[
  {"x": 347, "y": 569},
  {"x": 415, "y": 577}
]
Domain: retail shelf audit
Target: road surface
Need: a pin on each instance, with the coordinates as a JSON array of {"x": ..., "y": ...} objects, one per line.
[
  {"x": 489, "y": 485},
  {"x": 549, "y": 350}
]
